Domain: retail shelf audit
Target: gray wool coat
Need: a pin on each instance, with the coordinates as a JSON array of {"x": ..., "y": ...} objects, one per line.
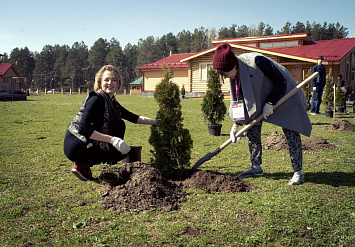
[{"x": 256, "y": 87}]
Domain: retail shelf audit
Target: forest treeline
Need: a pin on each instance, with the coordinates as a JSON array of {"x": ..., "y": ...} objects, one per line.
[{"x": 58, "y": 66}]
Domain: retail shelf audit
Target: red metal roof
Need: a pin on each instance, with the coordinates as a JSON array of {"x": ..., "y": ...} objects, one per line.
[
  {"x": 173, "y": 61},
  {"x": 4, "y": 67},
  {"x": 332, "y": 50}
]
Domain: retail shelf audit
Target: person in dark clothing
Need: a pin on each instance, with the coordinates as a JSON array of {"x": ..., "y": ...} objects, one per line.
[
  {"x": 256, "y": 85},
  {"x": 96, "y": 133},
  {"x": 341, "y": 81},
  {"x": 318, "y": 86}
]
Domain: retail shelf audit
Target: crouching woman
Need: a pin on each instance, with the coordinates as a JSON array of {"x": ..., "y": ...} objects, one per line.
[{"x": 96, "y": 133}]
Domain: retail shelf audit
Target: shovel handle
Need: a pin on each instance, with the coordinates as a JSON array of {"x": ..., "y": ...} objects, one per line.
[{"x": 258, "y": 119}]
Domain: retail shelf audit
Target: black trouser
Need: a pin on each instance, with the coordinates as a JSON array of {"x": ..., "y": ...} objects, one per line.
[
  {"x": 294, "y": 144},
  {"x": 79, "y": 152}
]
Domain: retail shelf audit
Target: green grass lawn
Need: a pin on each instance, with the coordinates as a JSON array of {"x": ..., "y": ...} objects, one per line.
[{"x": 43, "y": 204}]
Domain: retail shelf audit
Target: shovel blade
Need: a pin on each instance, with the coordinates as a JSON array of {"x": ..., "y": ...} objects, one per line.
[
  {"x": 202, "y": 160},
  {"x": 206, "y": 158}
]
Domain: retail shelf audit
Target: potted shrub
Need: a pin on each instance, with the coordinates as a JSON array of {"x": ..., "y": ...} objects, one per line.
[
  {"x": 213, "y": 107},
  {"x": 307, "y": 90},
  {"x": 328, "y": 97},
  {"x": 339, "y": 99}
]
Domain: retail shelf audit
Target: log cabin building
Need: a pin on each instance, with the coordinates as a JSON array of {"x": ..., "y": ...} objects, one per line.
[
  {"x": 296, "y": 52},
  {"x": 12, "y": 86}
]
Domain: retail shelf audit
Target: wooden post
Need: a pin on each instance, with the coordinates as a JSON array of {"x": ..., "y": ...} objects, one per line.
[
  {"x": 45, "y": 90},
  {"x": 61, "y": 91},
  {"x": 78, "y": 90},
  {"x": 335, "y": 89},
  {"x": 70, "y": 91},
  {"x": 87, "y": 91},
  {"x": 37, "y": 90}
]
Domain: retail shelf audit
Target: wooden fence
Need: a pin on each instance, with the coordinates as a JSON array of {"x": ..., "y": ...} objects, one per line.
[{"x": 53, "y": 91}]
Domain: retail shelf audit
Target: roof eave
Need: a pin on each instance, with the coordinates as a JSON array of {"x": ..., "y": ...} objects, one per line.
[{"x": 199, "y": 54}]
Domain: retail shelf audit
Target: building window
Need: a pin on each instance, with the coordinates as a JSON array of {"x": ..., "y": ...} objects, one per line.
[
  {"x": 294, "y": 43},
  {"x": 266, "y": 45},
  {"x": 204, "y": 68},
  {"x": 278, "y": 44},
  {"x": 347, "y": 72}
]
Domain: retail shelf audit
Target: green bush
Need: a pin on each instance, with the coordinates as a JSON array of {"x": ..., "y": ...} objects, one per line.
[
  {"x": 213, "y": 107},
  {"x": 328, "y": 95},
  {"x": 171, "y": 142},
  {"x": 339, "y": 96},
  {"x": 307, "y": 90}
]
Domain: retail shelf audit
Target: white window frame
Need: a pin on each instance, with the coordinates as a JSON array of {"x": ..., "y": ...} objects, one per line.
[{"x": 204, "y": 68}]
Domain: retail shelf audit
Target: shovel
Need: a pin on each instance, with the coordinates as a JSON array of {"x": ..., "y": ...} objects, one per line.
[{"x": 252, "y": 123}]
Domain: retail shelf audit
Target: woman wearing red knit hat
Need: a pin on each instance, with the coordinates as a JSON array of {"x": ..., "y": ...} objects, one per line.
[{"x": 256, "y": 84}]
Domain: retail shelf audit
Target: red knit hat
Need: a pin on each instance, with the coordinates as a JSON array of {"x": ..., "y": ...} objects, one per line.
[{"x": 224, "y": 58}]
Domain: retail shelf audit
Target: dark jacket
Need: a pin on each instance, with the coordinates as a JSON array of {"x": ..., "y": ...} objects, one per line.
[
  {"x": 321, "y": 79},
  {"x": 90, "y": 117}
]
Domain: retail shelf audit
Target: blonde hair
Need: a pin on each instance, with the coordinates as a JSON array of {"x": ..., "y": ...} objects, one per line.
[{"x": 98, "y": 77}]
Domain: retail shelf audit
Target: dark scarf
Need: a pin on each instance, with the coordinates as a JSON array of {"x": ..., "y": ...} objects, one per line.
[{"x": 112, "y": 112}]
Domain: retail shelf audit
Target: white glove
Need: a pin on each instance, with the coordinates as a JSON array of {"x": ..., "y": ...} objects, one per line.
[
  {"x": 120, "y": 145},
  {"x": 234, "y": 130},
  {"x": 267, "y": 110},
  {"x": 314, "y": 88}
]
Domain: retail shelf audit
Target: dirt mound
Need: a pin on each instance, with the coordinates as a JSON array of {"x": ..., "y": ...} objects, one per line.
[
  {"x": 341, "y": 125},
  {"x": 210, "y": 181},
  {"x": 278, "y": 142},
  {"x": 316, "y": 142},
  {"x": 138, "y": 186}
]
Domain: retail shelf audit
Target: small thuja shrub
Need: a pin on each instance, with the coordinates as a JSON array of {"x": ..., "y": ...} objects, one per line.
[
  {"x": 172, "y": 143},
  {"x": 339, "y": 96},
  {"x": 213, "y": 107},
  {"x": 307, "y": 90},
  {"x": 328, "y": 94}
]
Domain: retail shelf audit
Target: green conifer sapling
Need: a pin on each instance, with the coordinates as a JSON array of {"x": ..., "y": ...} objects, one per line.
[{"x": 172, "y": 143}]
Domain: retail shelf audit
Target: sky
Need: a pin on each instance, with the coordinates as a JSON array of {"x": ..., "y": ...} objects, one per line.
[{"x": 36, "y": 23}]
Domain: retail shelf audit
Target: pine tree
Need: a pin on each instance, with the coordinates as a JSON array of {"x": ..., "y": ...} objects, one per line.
[
  {"x": 172, "y": 143},
  {"x": 213, "y": 107}
]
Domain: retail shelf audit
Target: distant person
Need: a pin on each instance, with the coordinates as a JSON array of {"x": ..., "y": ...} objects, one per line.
[
  {"x": 256, "y": 84},
  {"x": 343, "y": 89},
  {"x": 96, "y": 133},
  {"x": 318, "y": 86}
]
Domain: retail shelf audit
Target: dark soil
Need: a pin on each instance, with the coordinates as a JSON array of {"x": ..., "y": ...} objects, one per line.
[
  {"x": 341, "y": 125},
  {"x": 138, "y": 186},
  {"x": 278, "y": 142}
]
